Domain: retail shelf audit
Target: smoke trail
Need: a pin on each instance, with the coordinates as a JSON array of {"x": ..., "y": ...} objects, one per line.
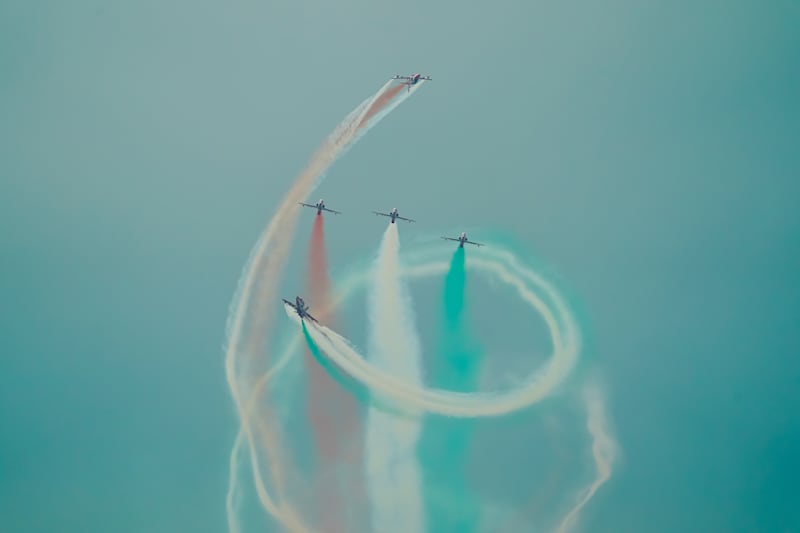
[
  {"x": 331, "y": 410},
  {"x": 285, "y": 516},
  {"x": 231, "y": 501},
  {"x": 380, "y": 103},
  {"x": 444, "y": 444},
  {"x": 604, "y": 450},
  {"x": 530, "y": 286},
  {"x": 392, "y": 472},
  {"x": 251, "y": 314}
]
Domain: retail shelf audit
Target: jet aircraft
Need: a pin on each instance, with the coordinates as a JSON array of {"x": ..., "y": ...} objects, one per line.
[
  {"x": 462, "y": 239},
  {"x": 393, "y": 214},
  {"x": 320, "y": 207},
  {"x": 301, "y": 308},
  {"x": 411, "y": 80}
]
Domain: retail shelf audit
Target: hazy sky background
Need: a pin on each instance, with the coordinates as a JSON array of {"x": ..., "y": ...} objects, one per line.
[{"x": 646, "y": 151}]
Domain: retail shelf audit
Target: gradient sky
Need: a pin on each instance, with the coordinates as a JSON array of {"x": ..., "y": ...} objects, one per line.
[{"x": 646, "y": 151}]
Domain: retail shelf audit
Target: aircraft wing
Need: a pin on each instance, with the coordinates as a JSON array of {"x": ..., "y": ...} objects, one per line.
[
  {"x": 311, "y": 317},
  {"x": 401, "y": 77},
  {"x": 475, "y": 243},
  {"x": 290, "y": 303},
  {"x": 404, "y": 218},
  {"x": 332, "y": 211},
  {"x": 447, "y": 239},
  {"x": 382, "y": 214},
  {"x": 306, "y": 205}
]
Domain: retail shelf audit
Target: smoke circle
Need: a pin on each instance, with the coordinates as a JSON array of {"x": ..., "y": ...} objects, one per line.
[{"x": 504, "y": 266}]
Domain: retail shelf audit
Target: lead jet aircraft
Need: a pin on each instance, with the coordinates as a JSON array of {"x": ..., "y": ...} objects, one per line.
[
  {"x": 301, "y": 308},
  {"x": 393, "y": 214},
  {"x": 320, "y": 207},
  {"x": 462, "y": 239},
  {"x": 411, "y": 80}
]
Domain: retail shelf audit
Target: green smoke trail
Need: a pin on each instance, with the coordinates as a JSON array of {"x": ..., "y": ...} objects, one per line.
[
  {"x": 444, "y": 443},
  {"x": 360, "y": 392},
  {"x": 346, "y": 382}
]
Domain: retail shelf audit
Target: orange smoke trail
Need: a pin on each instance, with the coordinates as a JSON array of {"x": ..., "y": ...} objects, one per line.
[{"x": 331, "y": 410}]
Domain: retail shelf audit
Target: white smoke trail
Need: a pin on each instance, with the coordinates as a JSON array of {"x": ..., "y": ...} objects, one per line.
[
  {"x": 251, "y": 312},
  {"x": 604, "y": 450},
  {"x": 532, "y": 288},
  {"x": 231, "y": 501},
  {"x": 393, "y": 477}
]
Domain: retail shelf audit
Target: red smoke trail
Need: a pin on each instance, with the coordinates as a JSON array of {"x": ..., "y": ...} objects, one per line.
[
  {"x": 380, "y": 103},
  {"x": 332, "y": 411}
]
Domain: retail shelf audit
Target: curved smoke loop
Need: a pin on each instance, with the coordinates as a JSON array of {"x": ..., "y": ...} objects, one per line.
[{"x": 505, "y": 267}]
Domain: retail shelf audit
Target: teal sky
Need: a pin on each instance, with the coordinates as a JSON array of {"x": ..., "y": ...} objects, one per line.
[{"x": 646, "y": 151}]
